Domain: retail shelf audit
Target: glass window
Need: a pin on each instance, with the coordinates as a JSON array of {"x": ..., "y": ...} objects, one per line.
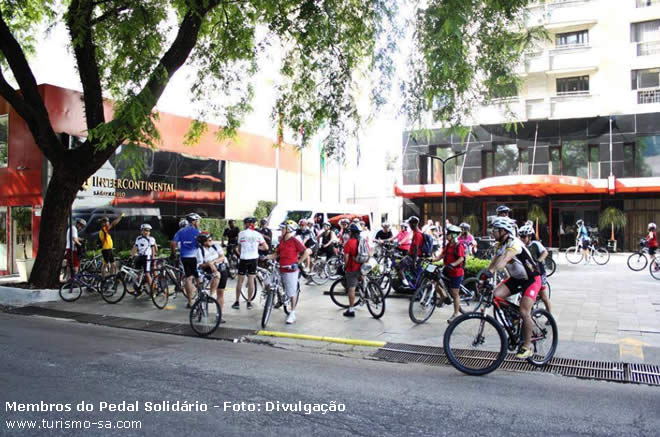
[
  {"x": 555, "y": 160},
  {"x": 647, "y": 156},
  {"x": 579, "y": 38},
  {"x": 574, "y": 159},
  {"x": 506, "y": 160},
  {"x": 649, "y": 78},
  {"x": 487, "y": 164},
  {"x": 4, "y": 141},
  {"x": 452, "y": 167},
  {"x": 524, "y": 161},
  {"x": 628, "y": 160},
  {"x": 579, "y": 84},
  {"x": 646, "y": 31}
]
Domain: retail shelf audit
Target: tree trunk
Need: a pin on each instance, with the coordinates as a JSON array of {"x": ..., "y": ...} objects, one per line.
[
  {"x": 537, "y": 229},
  {"x": 60, "y": 195},
  {"x": 612, "y": 235}
]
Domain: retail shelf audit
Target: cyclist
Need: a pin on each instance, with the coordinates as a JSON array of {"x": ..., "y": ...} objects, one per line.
[
  {"x": 385, "y": 235},
  {"x": 539, "y": 253},
  {"x": 144, "y": 251},
  {"x": 306, "y": 237},
  {"x": 352, "y": 269},
  {"x": 327, "y": 240},
  {"x": 344, "y": 234},
  {"x": 524, "y": 275},
  {"x": 186, "y": 241},
  {"x": 249, "y": 243},
  {"x": 107, "y": 245},
  {"x": 583, "y": 239},
  {"x": 652, "y": 239},
  {"x": 72, "y": 236},
  {"x": 211, "y": 259},
  {"x": 416, "y": 240},
  {"x": 230, "y": 235},
  {"x": 404, "y": 238},
  {"x": 453, "y": 258},
  {"x": 267, "y": 234},
  {"x": 288, "y": 251},
  {"x": 467, "y": 240}
]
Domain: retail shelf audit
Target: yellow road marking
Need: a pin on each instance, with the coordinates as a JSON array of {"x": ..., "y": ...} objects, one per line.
[
  {"x": 631, "y": 347},
  {"x": 170, "y": 307},
  {"x": 321, "y": 338}
]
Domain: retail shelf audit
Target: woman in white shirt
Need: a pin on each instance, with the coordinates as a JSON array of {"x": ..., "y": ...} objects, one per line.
[{"x": 211, "y": 259}]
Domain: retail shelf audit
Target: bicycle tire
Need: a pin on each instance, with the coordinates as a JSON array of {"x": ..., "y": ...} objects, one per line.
[
  {"x": 268, "y": 309},
  {"x": 258, "y": 282},
  {"x": 550, "y": 266},
  {"x": 112, "y": 289},
  {"x": 385, "y": 284},
  {"x": 199, "y": 310},
  {"x": 287, "y": 306},
  {"x": 232, "y": 268},
  {"x": 333, "y": 268},
  {"x": 424, "y": 298},
  {"x": 339, "y": 293},
  {"x": 455, "y": 355},
  {"x": 601, "y": 256},
  {"x": 473, "y": 303},
  {"x": 375, "y": 300},
  {"x": 74, "y": 293},
  {"x": 635, "y": 261},
  {"x": 654, "y": 268},
  {"x": 160, "y": 290},
  {"x": 573, "y": 255},
  {"x": 318, "y": 274},
  {"x": 550, "y": 323}
]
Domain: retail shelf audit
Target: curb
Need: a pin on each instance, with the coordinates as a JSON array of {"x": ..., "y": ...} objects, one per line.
[
  {"x": 351, "y": 341},
  {"x": 12, "y": 296}
]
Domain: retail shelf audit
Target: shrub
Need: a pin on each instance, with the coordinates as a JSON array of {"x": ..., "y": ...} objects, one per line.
[
  {"x": 263, "y": 209},
  {"x": 475, "y": 265}
]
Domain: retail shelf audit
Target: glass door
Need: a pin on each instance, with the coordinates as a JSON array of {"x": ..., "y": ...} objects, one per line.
[
  {"x": 21, "y": 234},
  {"x": 4, "y": 255}
]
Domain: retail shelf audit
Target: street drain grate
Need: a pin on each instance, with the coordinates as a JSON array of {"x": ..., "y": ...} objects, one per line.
[{"x": 587, "y": 369}]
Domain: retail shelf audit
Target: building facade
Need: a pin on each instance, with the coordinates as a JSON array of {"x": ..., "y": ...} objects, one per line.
[{"x": 586, "y": 134}]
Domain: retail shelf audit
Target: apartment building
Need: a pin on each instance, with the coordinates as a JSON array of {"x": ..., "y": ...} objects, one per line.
[{"x": 587, "y": 131}]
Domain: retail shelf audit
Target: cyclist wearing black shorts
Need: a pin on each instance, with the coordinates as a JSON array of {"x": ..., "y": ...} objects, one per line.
[
  {"x": 144, "y": 251},
  {"x": 211, "y": 260},
  {"x": 326, "y": 241},
  {"x": 186, "y": 240},
  {"x": 307, "y": 238}
]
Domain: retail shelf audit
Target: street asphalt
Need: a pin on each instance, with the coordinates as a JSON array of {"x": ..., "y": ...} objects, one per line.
[{"x": 45, "y": 360}]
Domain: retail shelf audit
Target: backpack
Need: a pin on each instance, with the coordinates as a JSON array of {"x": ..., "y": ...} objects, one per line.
[
  {"x": 427, "y": 245},
  {"x": 363, "y": 254}
]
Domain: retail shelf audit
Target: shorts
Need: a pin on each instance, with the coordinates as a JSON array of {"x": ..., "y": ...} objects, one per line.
[
  {"x": 247, "y": 267},
  {"x": 531, "y": 286},
  {"x": 290, "y": 283},
  {"x": 76, "y": 260},
  {"x": 652, "y": 250},
  {"x": 224, "y": 275},
  {"x": 142, "y": 262},
  {"x": 328, "y": 252},
  {"x": 454, "y": 282},
  {"x": 585, "y": 243},
  {"x": 108, "y": 256},
  {"x": 352, "y": 279},
  {"x": 190, "y": 267}
]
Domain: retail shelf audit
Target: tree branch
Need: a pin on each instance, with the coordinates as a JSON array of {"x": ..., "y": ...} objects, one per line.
[{"x": 108, "y": 14}]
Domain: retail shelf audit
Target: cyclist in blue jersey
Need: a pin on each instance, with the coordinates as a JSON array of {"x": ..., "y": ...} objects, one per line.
[
  {"x": 583, "y": 239},
  {"x": 186, "y": 240}
]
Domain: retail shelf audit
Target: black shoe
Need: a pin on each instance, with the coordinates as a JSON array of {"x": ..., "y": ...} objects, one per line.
[
  {"x": 249, "y": 305},
  {"x": 236, "y": 305},
  {"x": 222, "y": 321},
  {"x": 447, "y": 301},
  {"x": 349, "y": 313},
  {"x": 188, "y": 306}
]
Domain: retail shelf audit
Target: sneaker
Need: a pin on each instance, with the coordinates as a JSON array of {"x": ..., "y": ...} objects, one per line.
[
  {"x": 349, "y": 313},
  {"x": 524, "y": 353},
  {"x": 452, "y": 318},
  {"x": 249, "y": 305},
  {"x": 291, "y": 319},
  {"x": 236, "y": 305}
]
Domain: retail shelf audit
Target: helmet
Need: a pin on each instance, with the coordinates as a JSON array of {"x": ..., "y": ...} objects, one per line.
[
  {"x": 327, "y": 224},
  {"x": 504, "y": 223},
  {"x": 355, "y": 220},
  {"x": 386, "y": 225},
  {"x": 503, "y": 209},
  {"x": 529, "y": 223},
  {"x": 145, "y": 227},
  {"x": 193, "y": 217},
  {"x": 526, "y": 230},
  {"x": 344, "y": 221},
  {"x": 263, "y": 222},
  {"x": 248, "y": 220},
  {"x": 290, "y": 227},
  {"x": 651, "y": 225},
  {"x": 81, "y": 221},
  {"x": 310, "y": 222},
  {"x": 354, "y": 227},
  {"x": 413, "y": 221},
  {"x": 203, "y": 237},
  {"x": 453, "y": 229},
  {"x": 183, "y": 223},
  {"x": 579, "y": 222},
  {"x": 465, "y": 226}
]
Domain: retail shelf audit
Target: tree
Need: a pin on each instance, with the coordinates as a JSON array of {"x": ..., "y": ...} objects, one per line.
[
  {"x": 129, "y": 50},
  {"x": 613, "y": 217},
  {"x": 537, "y": 215}
]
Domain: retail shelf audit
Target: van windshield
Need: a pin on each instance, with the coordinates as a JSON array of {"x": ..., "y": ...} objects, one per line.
[{"x": 297, "y": 215}]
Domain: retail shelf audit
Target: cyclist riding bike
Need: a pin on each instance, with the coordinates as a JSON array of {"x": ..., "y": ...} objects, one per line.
[
  {"x": 512, "y": 255},
  {"x": 583, "y": 239},
  {"x": 539, "y": 253},
  {"x": 352, "y": 269},
  {"x": 652, "y": 239},
  {"x": 326, "y": 241},
  {"x": 211, "y": 260},
  {"x": 249, "y": 243},
  {"x": 71, "y": 252},
  {"x": 344, "y": 234},
  {"x": 404, "y": 239},
  {"x": 144, "y": 251},
  {"x": 453, "y": 259}
]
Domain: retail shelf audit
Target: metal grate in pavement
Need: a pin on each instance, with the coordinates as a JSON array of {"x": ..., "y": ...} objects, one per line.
[{"x": 588, "y": 369}]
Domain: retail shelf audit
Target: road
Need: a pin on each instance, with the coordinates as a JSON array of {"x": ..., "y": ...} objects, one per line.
[{"x": 56, "y": 361}]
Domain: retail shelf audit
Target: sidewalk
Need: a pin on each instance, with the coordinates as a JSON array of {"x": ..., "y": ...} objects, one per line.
[{"x": 603, "y": 313}]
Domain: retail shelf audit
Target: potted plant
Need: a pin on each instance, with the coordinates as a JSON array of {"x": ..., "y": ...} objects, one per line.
[
  {"x": 616, "y": 219},
  {"x": 537, "y": 215}
]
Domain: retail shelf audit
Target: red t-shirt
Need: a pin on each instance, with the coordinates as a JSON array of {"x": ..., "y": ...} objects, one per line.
[
  {"x": 452, "y": 253},
  {"x": 653, "y": 242},
  {"x": 417, "y": 241},
  {"x": 351, "y": 249},
  {"x": 288, "y": 250}
]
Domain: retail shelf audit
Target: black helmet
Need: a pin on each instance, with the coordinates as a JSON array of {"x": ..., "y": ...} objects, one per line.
[
  {"x": 263, "y": 222},
  {"x": 248, "y": 220},
  {"x": 203, "y": 237},
  {"x": 354, "y": 228},
  {"x": 413, "y": 221}
]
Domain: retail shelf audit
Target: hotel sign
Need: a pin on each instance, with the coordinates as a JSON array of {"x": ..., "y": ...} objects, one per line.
[{"x": 124, "y": 184}]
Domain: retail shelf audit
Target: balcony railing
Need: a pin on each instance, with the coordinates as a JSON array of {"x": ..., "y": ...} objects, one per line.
[
  {"x": 648, "y": 96},
  {"x": 645, "y": 3},
  {"x": 648, "y": 48}
]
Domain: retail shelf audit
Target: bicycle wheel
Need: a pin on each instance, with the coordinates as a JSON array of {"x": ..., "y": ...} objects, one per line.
[
  {"x": 375, "y": 299},
  {"x": 160, "y": 290},
  {"x": 544, "y": 337},
  {"x": 233, "y": 267},
  {"x": 339, "y": 293},
  {"x": 654, "y": 267},
  {"x": 637, "y": 262},
  {"x": 268, "y": 308},
  {"x": 385, "y": 284},
  {"x": 333, "y": 268},
  {"x": 71, "y": 291},
  {"x": 112, "y": 289},
  {"x": 475, "y": 344},
  {"x": 601, "y": 256},
  {"x": 573, "y": 255},
  {"x": 550, "y": 266},
  {"x": 422, "y": 303},
  {"x": 469, "y": 295},
  {"x": 287, "y": 305},
  {"x": 258, "y": 285},
  {"x": 205, "y": 316},
  {"x": 318, "y": 274}
]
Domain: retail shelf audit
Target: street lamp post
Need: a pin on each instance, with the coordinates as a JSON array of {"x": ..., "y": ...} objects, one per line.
[{"x": 444, "y": 190}]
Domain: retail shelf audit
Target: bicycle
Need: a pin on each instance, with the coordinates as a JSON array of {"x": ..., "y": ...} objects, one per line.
[
  {"x": 232, "y": 260},
  {"x": 205, "y": 313},
  {"x": 638, "y": 260},
  {"x": 273, "y": 293},
  {"x": 654, "y": 267},
  {"x": 367, "y": 291},
  {"x": 477, "y": 344},
  {"x": 600, "y": 255},
  {"x": 167, "y": 282},
  {"x": 549, "y": 264},
  {"x": 137, "y": 285},
  {"x": 427, "y": 296},
  {"x": 111, "y": 288}
]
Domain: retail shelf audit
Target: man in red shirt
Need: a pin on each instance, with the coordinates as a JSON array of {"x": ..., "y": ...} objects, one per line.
[
  {"x": 454, "y": 256},
  {"x": 352, "y": 269},
  {"x": 417, "y": 238},
  {"x": 652, "y": 239},
  {"x": 287, "y": 252}
]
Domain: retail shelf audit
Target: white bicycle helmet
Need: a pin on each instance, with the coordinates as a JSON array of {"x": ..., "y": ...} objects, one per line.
[
  {"x": 526, "y": 230},
  {"x": 465, "y": 226},
  {"x": 651, "y": 225},
  {"x": 193, "y": 217},
  {"x": 82, "y": 222},
  {"x": 183, "y": 223},
  {"x": 145, "y": 227},
  {"x": 504, "y": 223}
]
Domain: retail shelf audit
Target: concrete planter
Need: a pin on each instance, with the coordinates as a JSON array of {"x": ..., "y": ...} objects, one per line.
[
  {"x": 24, "y": 267},
  {"x": 21, "y": 297}
]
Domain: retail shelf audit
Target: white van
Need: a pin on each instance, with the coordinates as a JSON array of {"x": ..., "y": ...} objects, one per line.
[{"x": 305, "y": 210}]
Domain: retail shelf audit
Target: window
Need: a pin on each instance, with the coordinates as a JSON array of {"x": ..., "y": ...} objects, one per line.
[
  {"x": 524, "y": 161},
  {"x": 594, "y": 162},
  {"x": 573, "y": 85},
  {"x": 649, "y": 78},
  {"x": 574, "y": 159},
  {"x": 629, "y": 160},
  {"x": 452, "y": 167},
  {"x": 572, "y": 39},
  {"x": 4, "y": 140},
  {"x": 647, "y": 37},
  {"x": 507, "y": 160}
]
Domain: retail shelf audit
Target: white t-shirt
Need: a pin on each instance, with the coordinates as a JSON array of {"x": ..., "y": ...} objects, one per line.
[
  {"x": 249, "y": 242},
  {"x": 71, "y": 234},
  {"x": 208, "y": 254},
  {"x": 145, "y": 245}
]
